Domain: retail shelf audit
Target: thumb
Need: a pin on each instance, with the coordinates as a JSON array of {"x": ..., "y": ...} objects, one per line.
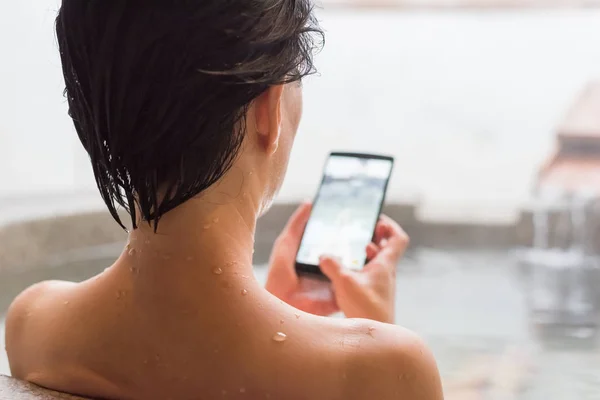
[
  {"x": 297, "y": 222},
  {"x": 331, "y": 268}
]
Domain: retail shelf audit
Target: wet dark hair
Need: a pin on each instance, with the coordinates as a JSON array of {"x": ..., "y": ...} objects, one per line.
[{"x": 158, "y": 90}]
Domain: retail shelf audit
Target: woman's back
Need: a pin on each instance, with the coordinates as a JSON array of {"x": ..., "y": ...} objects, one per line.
[{"x": 189, "y": 111}]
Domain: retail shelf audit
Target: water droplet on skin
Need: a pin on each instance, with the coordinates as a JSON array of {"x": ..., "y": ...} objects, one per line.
[
  {"x": 66, "y": 303},
  {"x": 190, "y": 258},
  {"x": 120, "y": 294},
  {"x": 133, "y": 270},
  {"x": 297, "y": 316},
  {"x": 206, "y": 227},
  {"x": 215, "y": 220},
  {"x": 244, "y": 292},
  {"x": 147, "y": 241},
  {"x": 242, "y": 390},
  {"x": 280, "y": 337},
  {"x": 281, "y": 321},
  {"x": 250, "y": 173},
  {"x": 217, "y": 271},
  {"x": 132, "y": 252}
]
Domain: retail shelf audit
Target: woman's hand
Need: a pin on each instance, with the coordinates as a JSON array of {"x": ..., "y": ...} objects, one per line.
[
  {"x": 282, "y": 280},
  {"x": 369, "y": 293}
]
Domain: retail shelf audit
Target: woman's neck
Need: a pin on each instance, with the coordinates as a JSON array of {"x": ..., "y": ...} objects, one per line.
[{"x": 204, "y": 238}]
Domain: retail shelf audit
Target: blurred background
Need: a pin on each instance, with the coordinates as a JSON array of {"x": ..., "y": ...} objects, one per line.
[{"x": 491, "y": 109}]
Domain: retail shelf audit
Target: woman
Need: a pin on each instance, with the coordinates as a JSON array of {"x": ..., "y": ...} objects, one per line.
[{"x": 188, "y": 112}]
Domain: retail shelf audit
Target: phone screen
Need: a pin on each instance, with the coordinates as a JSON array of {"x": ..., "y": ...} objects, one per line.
[{"x": 346, "y": 210}]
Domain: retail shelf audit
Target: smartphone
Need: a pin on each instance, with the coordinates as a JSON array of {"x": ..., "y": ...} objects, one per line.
[{"x": 345, "y": 211}]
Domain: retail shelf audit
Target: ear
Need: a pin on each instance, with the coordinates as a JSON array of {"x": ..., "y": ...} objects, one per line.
[{"x": 267, "y": 108}]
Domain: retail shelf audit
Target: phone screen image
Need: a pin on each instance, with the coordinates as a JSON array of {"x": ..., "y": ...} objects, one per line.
[{"x": 346, "y": 210}]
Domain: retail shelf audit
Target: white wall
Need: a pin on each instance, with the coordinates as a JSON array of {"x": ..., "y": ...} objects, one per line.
[
  {"x": 466, "y": 102},
  {"x": 36, "y": 136}
]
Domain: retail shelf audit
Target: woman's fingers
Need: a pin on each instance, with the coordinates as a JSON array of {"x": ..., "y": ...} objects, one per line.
[
  {"x": 331, "y": 268},
  {"x": 392, "y": 242},
  {"x": 372, "y": 250},
  {"x": 295, "y": 226},
  {"x": 386, "y": 228}
]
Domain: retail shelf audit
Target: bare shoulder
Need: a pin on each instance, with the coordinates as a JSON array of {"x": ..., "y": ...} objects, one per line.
[
  {"x": 30, "y": 299},
  {"x": 393, "y": 363},
  {"x": 22, "y": 320}
]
